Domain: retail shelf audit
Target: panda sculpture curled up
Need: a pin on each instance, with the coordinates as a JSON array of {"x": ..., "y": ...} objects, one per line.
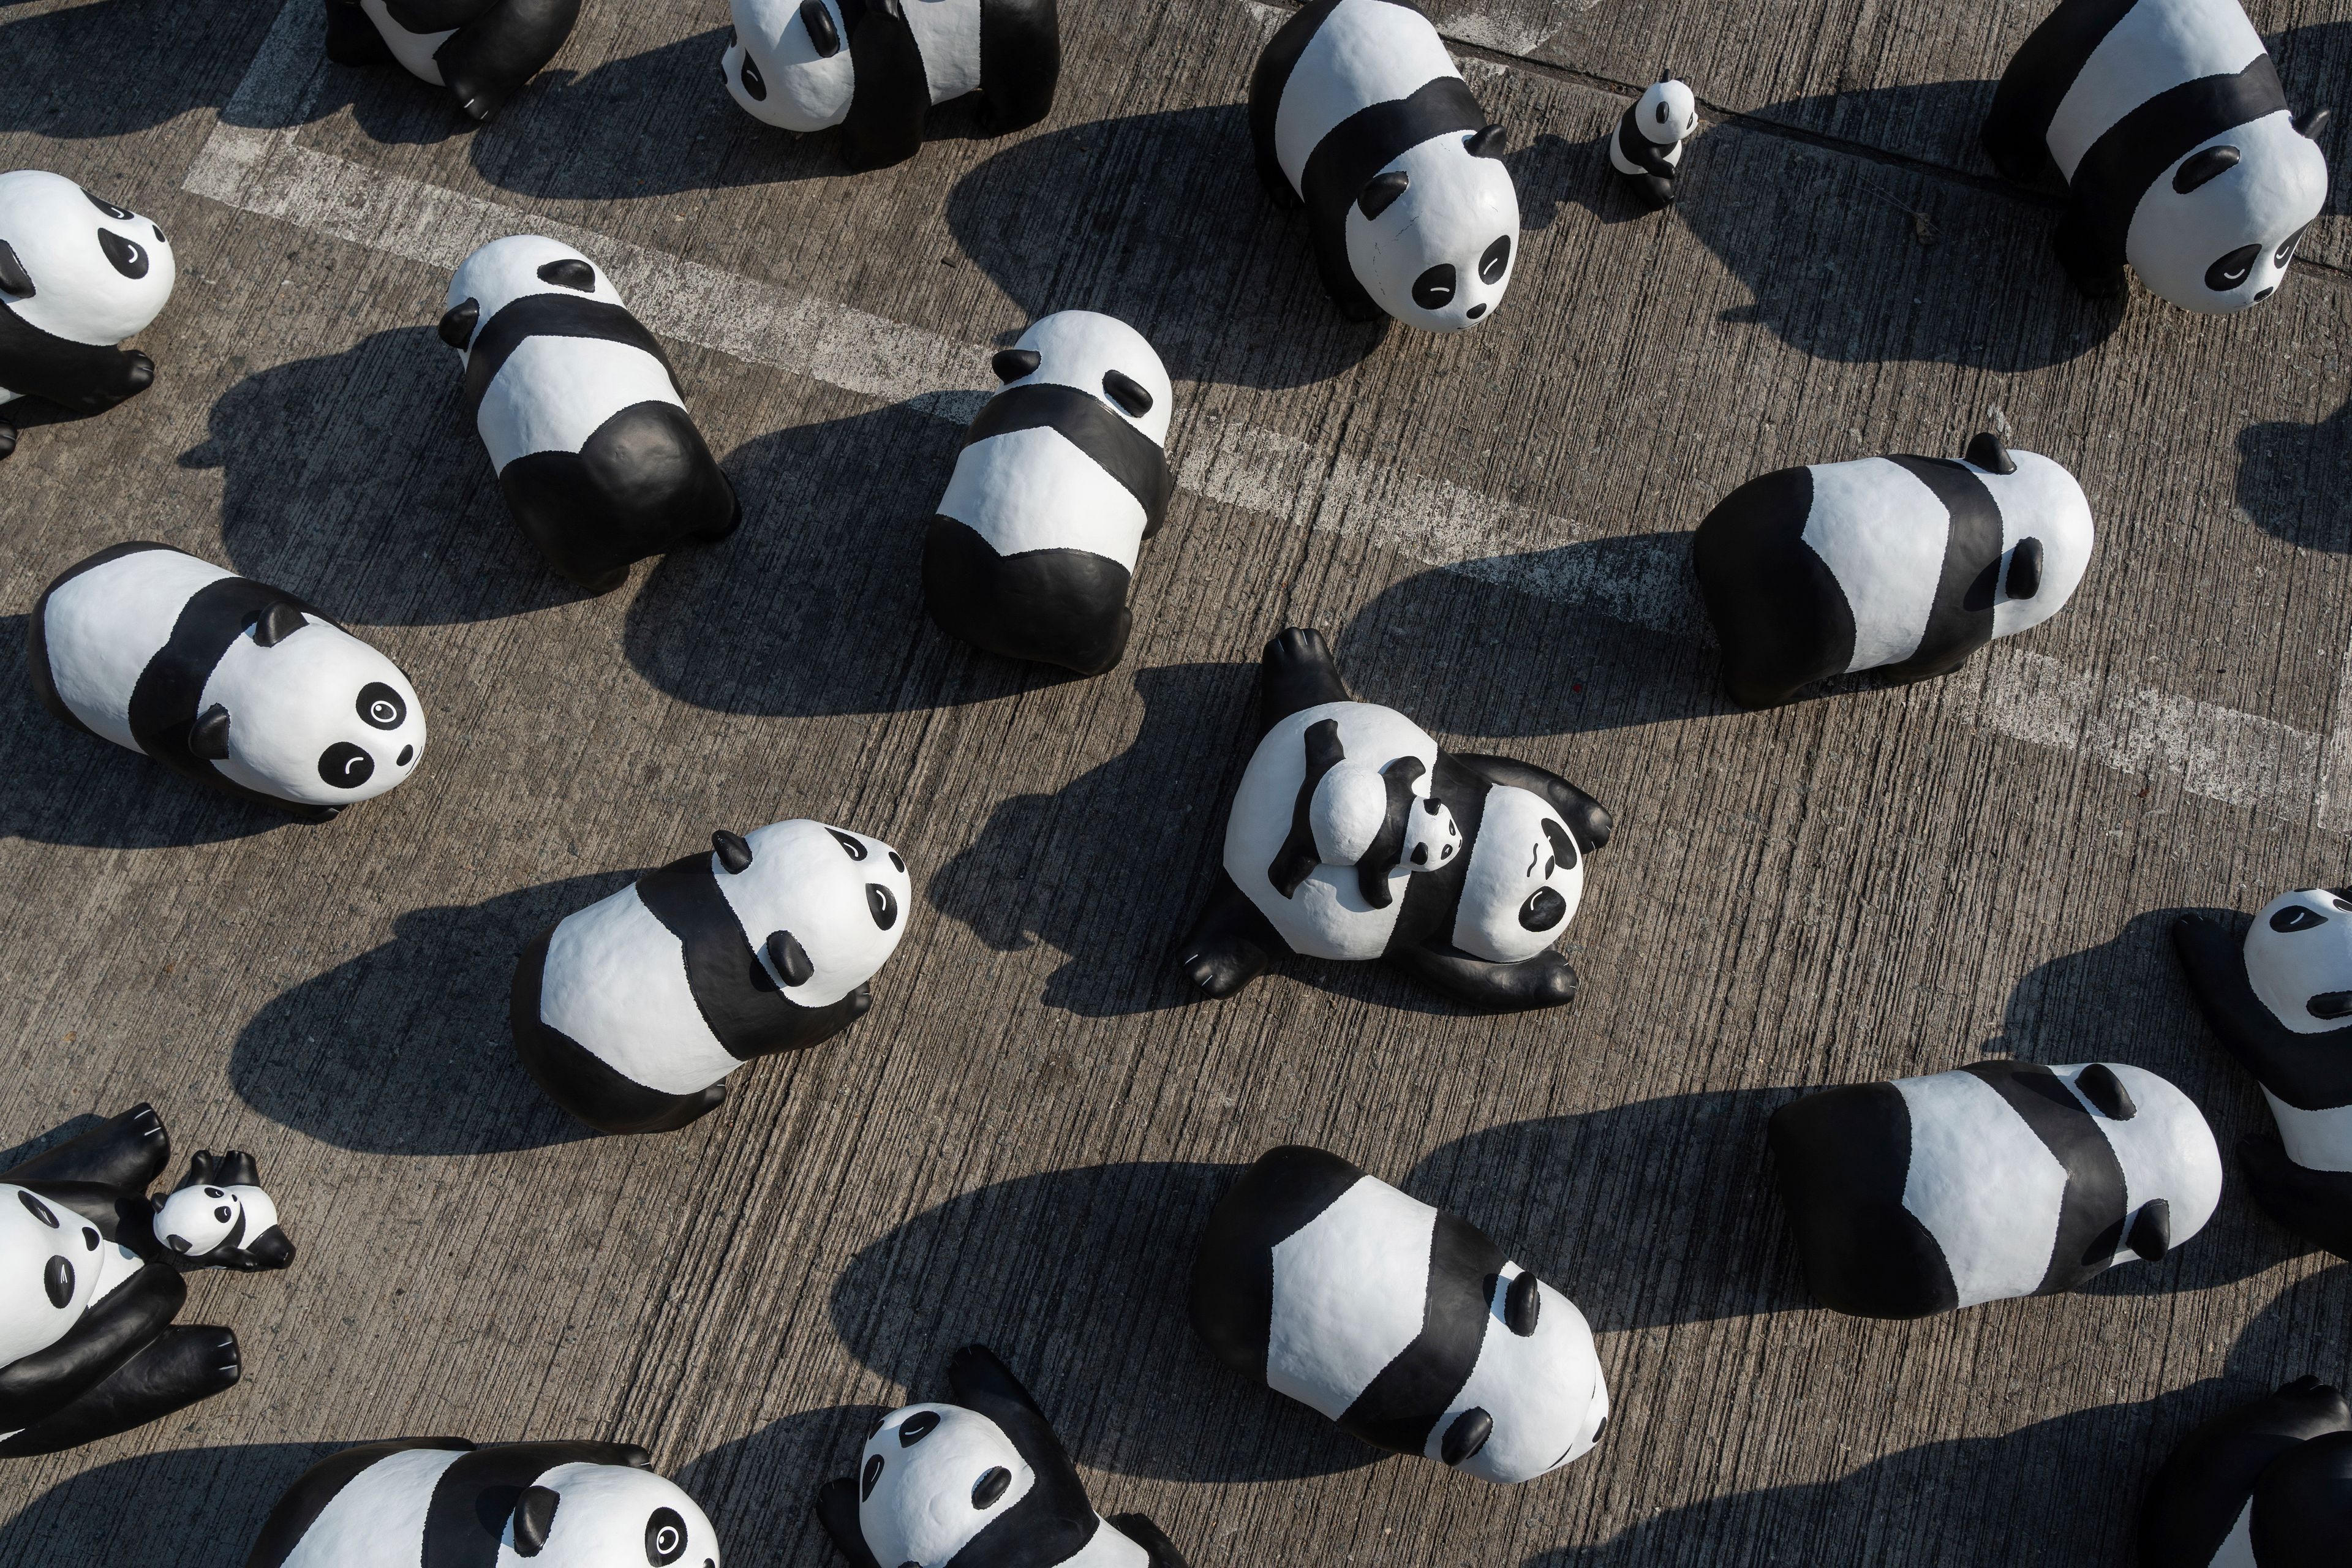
[
  {"x": 483, "y": 51},
  {"x": 2266, "y": 1484}
]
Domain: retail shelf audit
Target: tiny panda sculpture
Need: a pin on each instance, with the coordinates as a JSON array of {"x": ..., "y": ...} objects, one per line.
[
  {"x": 979, "y": 1483},
  {"x": 875, "y": 68},
  {"x": 598, "y": 458},
  {"x": 442, "y": 1500},
  {"x": 218, "y": 1215},
  {"x": 1059, "y": 481},
  {"x": 237, "y": 685},
  {"x": 1648, "y": 147},
  {"x": 2167, "y": 122},
  {"x": 2265, "y": 1485},
  {"x": 1357, "y": 111},
  {"x": 2281, "y": 1003},
  {"x": 2001, "y": 1179},
  {"x": 1905, "y": 565},
  {"x": 1474, "y": 870},
  {"x": 1399, "y": 1321},
  {"x": 88, "y": 1288},
  {"x": 632, "y": 1011},
  {"x": 77, "y": 275},
  {"x": 483, "y": 51}
]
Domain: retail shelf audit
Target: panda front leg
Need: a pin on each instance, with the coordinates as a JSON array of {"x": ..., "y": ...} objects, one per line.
[
  {"x": 7, "y": 438},
  {"x": 1140, "y": 1528},
  {"x": 1297, "y": 672},
  {"x": 126, "y": 1153},
  {"x": 351, "y": 38},
  {"x": 836, "y": 1509},
  {"x": 1544, "y": 981},
  {"x": 2095, "y": 274},
  {"x": 489, "y": 60},
  {"x": 179, "y": 1367},
  {"x": 1232, "y": 943},
  {"x": 2316, "y": 1205}
]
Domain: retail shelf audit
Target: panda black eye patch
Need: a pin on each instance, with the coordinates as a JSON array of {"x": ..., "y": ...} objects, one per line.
[
  {"x": 884, "y": 908},
  {"x": 344, "y": 765},
  {"x": 665, "y": 1537},
  {"x": 14, "y": 278},
  {"x": 916, "y": 1427},
  {"x": 1544, "y": 909},
  {"x": 58, "y": 1279},
  {"x": 2297, "y": 917},
  {"x": 991, "y": 1486},
  {"x": 37, "y": 1209},
  {"x": 125, "y": 256},
  {"x": 1127, "y": 393},
  {"x": 820, "y": 30},
  {"x": 2232, "y": 270},
  {"x": 381, "y": 707},
  {"x": 873, "y": 1473},
  {"x": 570, "y": 272},
  {"x": 849, "y": 847},
  {"x": 755, "y": 86},
  {"x": 1433, "y": 290},
  {"x": 1498, "y": 256}
]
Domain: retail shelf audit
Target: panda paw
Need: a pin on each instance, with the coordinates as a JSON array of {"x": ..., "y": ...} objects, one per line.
[
  {"x": 1220, "y": 970},
  {"x": 7, "y": 438},
  {"x": 138, "y": 374}
]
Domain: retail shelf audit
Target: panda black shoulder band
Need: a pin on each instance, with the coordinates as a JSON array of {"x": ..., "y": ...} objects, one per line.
[
  {"x": 2134, "y": 151},
  {"x": 1122, "y": 451},
  {"x": 1353, "y": 151},
  {"x": 549, "y": 316}
]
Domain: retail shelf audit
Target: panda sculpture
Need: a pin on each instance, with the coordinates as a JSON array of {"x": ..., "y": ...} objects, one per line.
[
  {"x": 483, "y": 51},
  {"x": 1060, "y": 480},
  {"x": 596, "y": 453},
  {"x": 1357, "y": 113},
  {"x": 1401, "y": 1322},
  {"x": 2281, "y": 1002},
  {"x": 1905, "y": 565},
  {"x": 2168, "y": 124},
  {"x": 89, "y": 1290},
  {"x": 1647, "y": 148},
  {"x": 444, "y": 1503},
  {"x": 237, "y": 685},
  {"x": 2263, "y": 1485},
  {"x": 219, "y": 1216},
  {"x": 2001, "y": 1179},
  {"x": 632, "y": 1011},
  {"x": 1474, "y": 870},
  {"x": 77, "y": 275},
  {"x": 876, "y": 69},
  {"x": 977, "y": 1483}
]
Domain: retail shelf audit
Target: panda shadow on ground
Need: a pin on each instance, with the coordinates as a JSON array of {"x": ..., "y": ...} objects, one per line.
[
  {"x": 758, "y": 1489},
  {"x": 1551, "y": 171},
  {"x": 118, "y": 67},
  {"x": 2313, "y": 64},
  {"x": 196, "y": 1507},
  {"x": 2293, "y": 479}
]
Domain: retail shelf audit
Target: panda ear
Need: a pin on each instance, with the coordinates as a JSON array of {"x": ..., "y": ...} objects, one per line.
[
  {"x": 820, "y": 30},
  {"x": 14, "y": 278},
  {"x": 1989, "y": 452},
  {"x": 2102, "y": 1088},
  {"x": 2024, "y": 579},
  {"x": 277, "y": 623},
  {"x": 209, "y": 738},
  {"x": 1382, "y": 191},
  {"x": 1489, "y": 142},
  {"x": 534, "y": 1516},
  {"x": 457, "y": 327},
  {"x": 2151, "y": 1233},
  {"x": 570, "y": 272},
  {"x": 1012, "y": 365},
  {"x": 1127, "y": 393},
  {"x": 733, "y": 851},
  {"x": 2202, "y": 167}
]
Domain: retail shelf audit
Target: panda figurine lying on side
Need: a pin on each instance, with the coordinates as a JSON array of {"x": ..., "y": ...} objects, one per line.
[
  {"x": 979, "y": 1483},
  {"x": 483, "y": 51},
  {"x": 1905, "y": 565},
  {"x": 1647, "y": 148},
  {"x": 2001, "y": 1179},
  {"x": 632, "y": 1011},
  {"x": 2166, "y": 121},
  {"x": 1464, "y": 869},
  {"x": 1399, "y": 1321},
  {"x": 88, "y": 1286},
  {"x": 443, "y": 1502},
  {"x": 877, "y": 69},
  {"x": 1060, "y": 480},
  {"x": 2262, "y": 1485},
  {"x": 77, "y": 275},
  {"x": 1358, "y": 112},
  {"x": 232, "y": 683}
]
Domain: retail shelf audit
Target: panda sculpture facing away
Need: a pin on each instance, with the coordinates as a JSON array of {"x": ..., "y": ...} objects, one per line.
[
  {"x": 237, "y": 685},
  {"x": 1905, "y": 565},
  {"x": 1357, "y": 111},
  {"x": 1354, "y": 836},
  {"x": 1059, "y": 481},
  {"x": 979, "y": 1483},
  {"x": 875, "y": 68},
  {"x": 2001, "y": 1179},
  {"x": 2264, "y": 1485},
  {"x": 483, "y": 51},
  {"x": 2166, "y": 121},
  {"x": 77, "y": 275}
]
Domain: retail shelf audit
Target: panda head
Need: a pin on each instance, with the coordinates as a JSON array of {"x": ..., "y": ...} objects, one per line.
[
  {"x": 2171, "y": 1165},
  {"x": 1349, "y": 808},
  {"x": 195, "y": 1220},
  {"x": 933, "y": 1477},
  {"x": 1098, "y": 354},
  {"x": 1666, "y": 112},
  {"x": 1536, "y": 1399},
  {"x": 508, "y": 269},
  {"x": 833, "y": 904},
  {"x": 302, "y": 710},
  {"x": 1524, "y": 878},
  {"x": 2046, "y": 538},
  {"x": 1433, "y": 236},
  {"x": 2216, "y": 231},
  {"x": 50, "y": 1261},
  {"x": 609, "y": 1516},
  {"x": 2299, "y": 961},
  {"x": 788, "y": 63},
  {"x": 77, "y": 266}
]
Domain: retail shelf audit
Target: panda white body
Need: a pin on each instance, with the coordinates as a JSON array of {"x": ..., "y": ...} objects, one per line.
[
  {"x": 77, "y": 275},
  {"x": 227, "y": 681},
  {"x": 482, "y": 51}
]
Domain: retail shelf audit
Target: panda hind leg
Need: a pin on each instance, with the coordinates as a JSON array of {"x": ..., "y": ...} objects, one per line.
[
  {"x": 734, "y": 516},
  {"x": 2094, "y": 275},
  {"x": 1546, "y": 980},
  {"x": 7, "y": 438},
  {"x": 179, "y": 1367},
  {"x": 836, "y": 1509},
  {"x": 1232, "y": 943},
  {"x": 1297, "y": 672},
  {"x": 1278, "y": 184},
  {"x": 126, "y": 1153},
  {"x": 351, "y": 38},
  {"x": 1154, "y": 1540}
]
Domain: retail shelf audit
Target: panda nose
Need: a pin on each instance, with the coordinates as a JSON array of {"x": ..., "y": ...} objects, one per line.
[
  {"x": 407, "y": 754},
  {"x": 1475, "y": 311}
]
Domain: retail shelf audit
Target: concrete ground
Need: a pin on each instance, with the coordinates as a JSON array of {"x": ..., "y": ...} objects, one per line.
[{"x": 1020, "y": 1141}]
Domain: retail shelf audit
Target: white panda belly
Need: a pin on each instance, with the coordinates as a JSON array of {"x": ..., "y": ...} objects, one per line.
[
  {"x": 2316, "y": 1140},
  {"x": 1350, "y": 1294},
  {"x": 377, "y": 1520},
  {"x": 947, "y": 35},
  {"x": 104, "y": 626},
  {"x": 1108, "y": 1549},
  {"x": 1366, "y": 52},
  {"x": 1882, "y": 532},
  {"x": 2159, "y": 45},
  {"x": 616, "y": 983},
  {"x": 1983, "y": 1184},
  {"x": 553, "y": 394},
  {"x": 1035, "y": 490},
  {"x": 415, "y": 51}
]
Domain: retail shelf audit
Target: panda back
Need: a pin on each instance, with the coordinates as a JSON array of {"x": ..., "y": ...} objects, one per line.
[
  {"x": 947, "y": 35},
  {"x": 375, "y": 1521},
  {"x": 550, "y": 393},
  {"x": 1033, "y": 488},
  {"x": 1882, "y": 533},
  {"x": 617, "y": 983},
  {"x": 1983, "y": 1182},
  {"x": 1350, "y": 1294},
  {"x": 1366, "y": 52},
  {"x": 103, "y": 627},
  {"x": 2157, "y": 46}
]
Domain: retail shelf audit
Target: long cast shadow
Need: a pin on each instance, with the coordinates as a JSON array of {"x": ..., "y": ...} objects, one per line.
[
  {"x": 2293, "y": 479},
  {"x": 192, "y": 1508}
]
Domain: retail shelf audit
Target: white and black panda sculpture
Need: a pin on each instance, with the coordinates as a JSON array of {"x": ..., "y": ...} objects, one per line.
[
  {"x": 1358, "y": 112},
  {"x": 2001, "y": 1179},
  {"x": 483, "y": 51},
  {"x": 1905, "y": 565},
  {"x": 2167, "y": 122},
  {"x": 1467, "y": 875},
  {"x": 875, "y": 68},
  {"x": 1647, "y": 148},
  {"x": 596, "y": 453},
  {"x": 77, "y": 275},
  {"x": 980, "y": 1482},
  {"x": 220, "y": 1216},
  {"x": 2265, "y": 1485},
  {"x": 1401, "y": 1322},
  {"x": 632, "y": 1011},
  {"x": 444, "y": 1503},
  {"x": 235, "y": 684},
  {"x": 1060, "y": 480}
]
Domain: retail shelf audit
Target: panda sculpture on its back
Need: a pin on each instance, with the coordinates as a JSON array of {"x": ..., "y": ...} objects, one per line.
[
  {"x": 2262, "y": 1485},
  {"x": 2166, "y": 121},
  {"x": 483, "y": 51},
  {"x": 1358, "y": 112},
  {"x": 1060, "y": 480}
]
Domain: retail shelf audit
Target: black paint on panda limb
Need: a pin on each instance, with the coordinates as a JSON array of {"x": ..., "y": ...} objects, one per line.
[
  {"x": 80, "y": 378},
  {"x": 1960, "y": 620},
  {"x": 2314, "y": 1205},
  {"x": 836, "y": 1510},
  {"x": 1267, "y": 80},
  {"x": 1065, "y": 607},
  {"x": 1587, "y": 820},
  {"x": 2017, "y": 128},
  {"x": 1752, "y": 560},
  {"x": 1158, "y": 1549},
  {"x": 1545, "y": 980},
  {"x": 1402, "y": 1405},
  {"x": 2196, "y": 1496},
  {"x": 295, "y": 1512},
  {"x": 891, "y": 94},
  {"x": 1840, "y": 1157},
  {"x": 352, "y": 38},
  {"x": 1297, "y": 672},
  {"x": 740, "y": 1003},
  {"x": 578, "y": 1080},
  {"x": 1355, "y": 150},
  {"x": 2091, "y": 1216},
  {"x": 487, "y": 61},
  {"x": 1020, "y": 62},
  {"x": 1299, "y": 856},
  {"x": 171, "y": 1371},
  {"x": 1082, "y": 420},
  {"x": 466, "y": 1521},
  {"x": 1231, "y": 941},
  {"x": 126, "y": 1152},
  {"x": 1281, "y": 1194},
  {"x": 2301, "y": 1505}
]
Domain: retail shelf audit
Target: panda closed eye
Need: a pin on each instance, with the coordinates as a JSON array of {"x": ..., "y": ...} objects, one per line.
[{"x": 2232, "y": 270}]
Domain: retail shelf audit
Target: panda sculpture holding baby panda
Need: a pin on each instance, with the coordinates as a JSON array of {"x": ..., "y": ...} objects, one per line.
[
  {"x": 483, "y": 51},
  {"x": 1647, "y": 148},
  {"x": 1358, "y": 112},
  {"x": 241, "y": 686},
  {"x": 2262, "y": 1485}
]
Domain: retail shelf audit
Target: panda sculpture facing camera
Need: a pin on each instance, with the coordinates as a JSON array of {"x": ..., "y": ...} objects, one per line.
[
  {"x": 1357, "y": 111},
  {"x": 1647, "y": 149},
  {"x": 483, "y": 51},
  {"x": 77, "y": 275},
  {"x": 2262, "y": 1485}
]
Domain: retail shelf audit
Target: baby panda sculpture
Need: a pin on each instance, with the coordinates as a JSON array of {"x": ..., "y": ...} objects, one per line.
[
  {"x": 2264, "y": 1485},
  {"x": 1648, "y": 147},
  {"x": 443, "y": 1502},
  {"x": 89, "y": 1287},
  {"x": 483, "y": 51},
  {"x": 1399, "y": 1321},
  {"x": 77, "y": 275},
  {"x": 876, "y": 69},
  {"x": 632, "y": 1011},
  {"x": 235, "y": 684},
  {"x": 1353, "y": 836},
  {"x": 1357, "y": 111},
  {"x": 1060, "y": 480},
  {"x": 1905, "y": 565},
  {"x": 978, "y": 1483},
  {"x": 599, "y": 462},
  {"x": 2001, "y": 1179},
  {"x": 2168, "y": 124}
]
